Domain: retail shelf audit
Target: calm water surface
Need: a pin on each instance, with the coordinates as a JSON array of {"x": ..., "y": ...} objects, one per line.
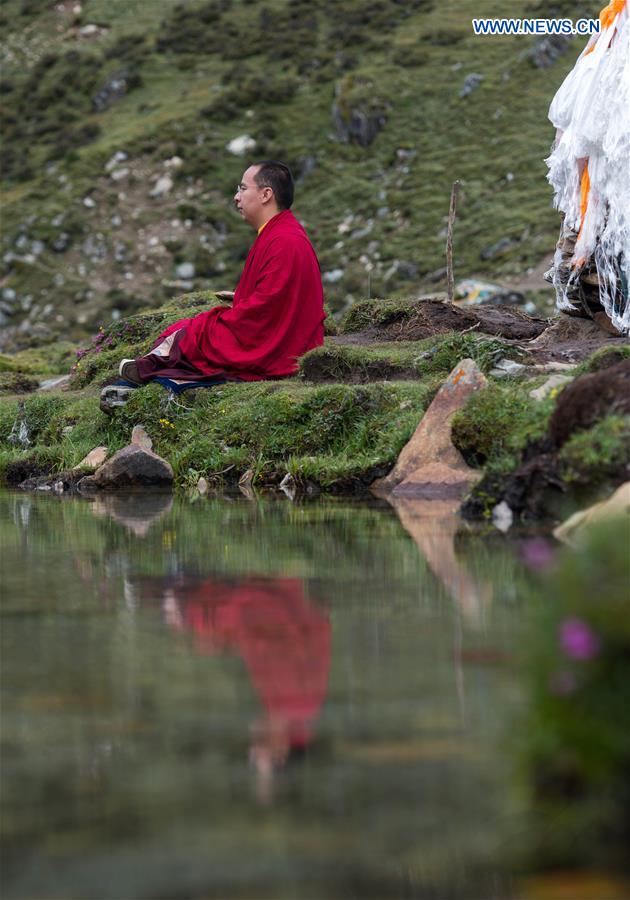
[{"x": 255, "y": 699}]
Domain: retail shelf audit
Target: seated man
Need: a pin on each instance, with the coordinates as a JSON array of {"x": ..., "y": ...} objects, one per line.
[{"x": 277, "y": 312}]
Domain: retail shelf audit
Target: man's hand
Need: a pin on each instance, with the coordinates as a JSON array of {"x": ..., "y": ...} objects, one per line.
[{"x": 226, "y": 296}]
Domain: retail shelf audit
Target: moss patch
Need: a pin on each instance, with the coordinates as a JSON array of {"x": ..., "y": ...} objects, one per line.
[
  {"x": 595, "y": 455},
  {"x": 17, "y": 383},
  {"x": 498, "y": 423},
  {"x": 411, "y": 360}
]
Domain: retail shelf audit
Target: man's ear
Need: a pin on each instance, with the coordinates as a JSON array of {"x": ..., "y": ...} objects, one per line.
[{"x": 267, "y": 195}]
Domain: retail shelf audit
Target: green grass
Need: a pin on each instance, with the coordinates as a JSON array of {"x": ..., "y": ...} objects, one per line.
[
  {"x": 332, "y": 434},
  {"x": 591, "y": 456},
  {"x": 498, "y": 423}
]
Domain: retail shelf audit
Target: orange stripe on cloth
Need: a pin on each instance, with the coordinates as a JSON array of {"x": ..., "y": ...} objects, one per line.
[
  {"x": 608, "y": 13},
  {"x": 607, "y": 17},
  {"x": 585, "y": 190}
]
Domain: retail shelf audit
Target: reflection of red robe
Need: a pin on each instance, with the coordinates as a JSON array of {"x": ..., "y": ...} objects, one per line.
[
  {"x": 276, "y": 317},
  {"x": 283, "y": 639}
]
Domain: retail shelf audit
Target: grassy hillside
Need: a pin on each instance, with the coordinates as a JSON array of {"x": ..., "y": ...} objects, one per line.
[{"x": 116, "y": 116}]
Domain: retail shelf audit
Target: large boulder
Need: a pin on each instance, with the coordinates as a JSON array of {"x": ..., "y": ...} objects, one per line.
[
  {"x": 94, "y": 459},
  {"x": 429, "y": 466},
  {"x": 131, "y": 467},
  {"x": 590, "y": 398},
  {"x": 618, "y": 506},
  {"x": 358, "y": 113}
]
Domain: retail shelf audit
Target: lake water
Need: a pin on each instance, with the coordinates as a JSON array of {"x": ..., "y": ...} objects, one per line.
[{"x": 258, "y": 699}]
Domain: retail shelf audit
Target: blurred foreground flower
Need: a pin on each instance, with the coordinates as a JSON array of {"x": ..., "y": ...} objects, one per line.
[{"x": 578, "y": 641}]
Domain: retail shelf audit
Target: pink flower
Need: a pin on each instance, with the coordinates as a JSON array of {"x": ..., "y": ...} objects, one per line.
[{"x": 578, "y": 641}]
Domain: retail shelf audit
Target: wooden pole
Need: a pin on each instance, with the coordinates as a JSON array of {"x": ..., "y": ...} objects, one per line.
[{"x": 450, "y": 278}]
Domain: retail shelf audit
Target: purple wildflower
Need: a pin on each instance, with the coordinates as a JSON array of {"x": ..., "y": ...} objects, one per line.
[{"x": 578, "y": 641}]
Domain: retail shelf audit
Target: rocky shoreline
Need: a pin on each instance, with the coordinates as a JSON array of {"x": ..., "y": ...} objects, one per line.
[{"x": 548, "y": 419}]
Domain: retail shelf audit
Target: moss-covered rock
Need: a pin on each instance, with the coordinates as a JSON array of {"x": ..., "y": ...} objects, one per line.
[
  {"x": 358, "y": 363},
  {"x": 17, "y": 383},
  {"x": 498, "y": 423}
]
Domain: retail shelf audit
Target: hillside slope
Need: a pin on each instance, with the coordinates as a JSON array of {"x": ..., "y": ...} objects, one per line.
[{"x": 117, "y": 117}]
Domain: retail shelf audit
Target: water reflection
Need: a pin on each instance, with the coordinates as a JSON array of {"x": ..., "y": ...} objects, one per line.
[
  {"x": 433, "y": 524},
  {"x": 160, "y": 660},
  {"x": 281, "y": 635},
  {"x": 138, "y": 513}
]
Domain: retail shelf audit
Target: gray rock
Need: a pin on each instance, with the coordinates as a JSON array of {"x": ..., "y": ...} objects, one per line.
[
  {"x": 163, "y": 186},
  {"x": 61, "y": 242},
  {"x": 94, "y": 247},
  {"x": 407, "y": 270},
  {"x": 357, "y": 126},
  {"x": 112, "y": 90},
  {"x": 185, "y": 270},
  {"x": 498, "y": 249},
  {"x": 333, "y": 276},
  {"x": 307, "y": 164},
  {"x": 357, "y": 112},
  {"x": 241, "y": 145},
  {"x": 471, "y": 82},
  {"x": 94, "y": 459},
  {"x": 131, "y": 467},
  {"x": 59, "y": 383},
  {"x": 549, "y": 49},
  {"x": 502, "y": 517},
  {"x": 140, "y": 437},
  {"x": 553, "y": 382},
  {"x": 508, "y": 368},
  {"x": 118, "y": 157}
]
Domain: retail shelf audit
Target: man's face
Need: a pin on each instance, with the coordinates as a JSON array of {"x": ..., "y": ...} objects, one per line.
[{"x": 252, "y": 201}]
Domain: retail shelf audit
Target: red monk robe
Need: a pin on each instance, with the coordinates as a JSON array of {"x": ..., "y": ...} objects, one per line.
[{"x": 277, "y": 316}]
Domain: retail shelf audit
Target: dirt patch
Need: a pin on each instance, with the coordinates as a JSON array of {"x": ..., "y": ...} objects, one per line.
[
  {"x": 431, "y": 317},
  {"x": 588, "y": 399},
  {"x": 571, "y": 339},
  {"x": 22, "y": 469},
  {"x": 509, "y": 323},
  {"x": 320, "y": 369}
]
